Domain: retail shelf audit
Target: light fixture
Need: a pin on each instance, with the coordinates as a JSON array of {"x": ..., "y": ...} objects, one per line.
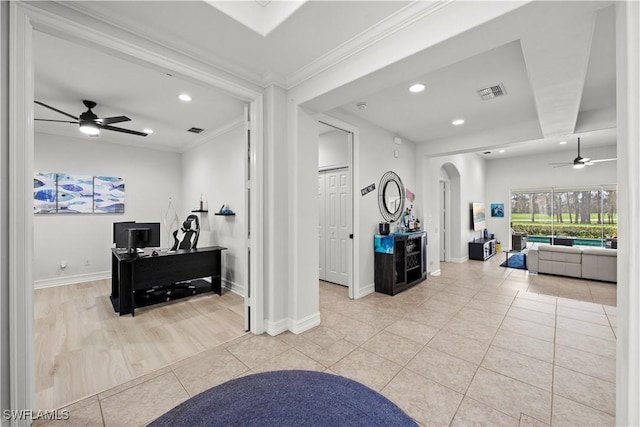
[
  {"x": 149, "y": 131},
  {"x": 563, "y": 142},
  {"x": 457, "y": 122},
  {"x": 501, "y": 151},
  {"x": 578, "y": 165},
  {"x": 89, "y": 128},
  {"x": 417, "y": 88},
  {"x": 184, "y": 97}
]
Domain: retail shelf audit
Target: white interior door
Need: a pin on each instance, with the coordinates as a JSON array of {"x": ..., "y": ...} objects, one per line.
[{"x": 335, "y": 257}]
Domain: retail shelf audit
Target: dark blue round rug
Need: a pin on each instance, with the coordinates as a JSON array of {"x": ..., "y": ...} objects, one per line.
[{"x": 287, "y": 398}]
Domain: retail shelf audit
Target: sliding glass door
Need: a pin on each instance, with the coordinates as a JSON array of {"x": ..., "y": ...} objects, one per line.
[{"x": 584, "y": 216}]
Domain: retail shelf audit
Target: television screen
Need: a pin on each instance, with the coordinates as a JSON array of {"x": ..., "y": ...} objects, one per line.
[{"x": 478, "y": 216}]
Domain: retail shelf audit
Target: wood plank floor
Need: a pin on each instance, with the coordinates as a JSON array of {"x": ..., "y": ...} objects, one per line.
[{"x": 82, "y": 346}]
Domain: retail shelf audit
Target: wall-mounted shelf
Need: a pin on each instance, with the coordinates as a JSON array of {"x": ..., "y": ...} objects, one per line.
[
  {"x": 200, "y": 210},
  {"x": 227, "y": 214}
]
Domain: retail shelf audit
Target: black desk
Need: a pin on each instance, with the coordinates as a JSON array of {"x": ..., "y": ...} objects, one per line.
[{"x": 129, "y": 275}]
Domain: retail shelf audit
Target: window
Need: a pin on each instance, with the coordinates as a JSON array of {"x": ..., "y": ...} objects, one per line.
[{"x": 585, "y": 216}]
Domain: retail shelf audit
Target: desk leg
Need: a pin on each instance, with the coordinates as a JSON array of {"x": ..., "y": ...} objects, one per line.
[
  {"x": 133, "y": 291},
  {"x": 216, "y": 274}
]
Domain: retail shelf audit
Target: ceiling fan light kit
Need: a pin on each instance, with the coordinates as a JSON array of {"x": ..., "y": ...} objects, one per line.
[
  {"x": 89, "y": 123},
  {"x": 89, "y": 128},
  {"x": 580, "y": 162}
]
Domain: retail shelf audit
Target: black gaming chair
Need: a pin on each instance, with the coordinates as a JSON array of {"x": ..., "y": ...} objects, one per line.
[{"x": 185, "y": 238}]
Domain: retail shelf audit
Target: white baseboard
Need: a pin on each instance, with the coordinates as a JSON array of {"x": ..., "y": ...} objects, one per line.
[
  {"x": 364, "y": 291},
  {"x": 436, "y": 272},
  {"x": 459, "y": 260},
  {"x": 297, "y": 327},
  {"x": 234, "y": 287},
  {"x": 276, "y": 328},
  {"x": 305, "y": 324},
  {"x": 71, "y": 280}
]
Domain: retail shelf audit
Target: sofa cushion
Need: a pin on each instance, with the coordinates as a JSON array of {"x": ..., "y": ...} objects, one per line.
[
  {"x": 560, "y": 268},
  {"x": 600, "y": 264},
  {"x": 600, "y": 251},
  {"x": 568, "y": 254}
]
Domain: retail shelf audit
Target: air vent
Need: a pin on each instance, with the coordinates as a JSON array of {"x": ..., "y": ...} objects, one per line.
[
  {"x": 491, "y": 92},
  {"x": 195, "y": 130},
  {"x": 487, "y": 152}
]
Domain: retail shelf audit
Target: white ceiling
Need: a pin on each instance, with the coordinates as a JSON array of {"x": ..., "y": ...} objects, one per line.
[{"x": 556, "y": 61}]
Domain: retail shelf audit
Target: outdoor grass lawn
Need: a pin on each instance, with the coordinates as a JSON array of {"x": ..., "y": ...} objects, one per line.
[
  {"x": 544, "y": 218},
  {"x": 545, "y": 225}
]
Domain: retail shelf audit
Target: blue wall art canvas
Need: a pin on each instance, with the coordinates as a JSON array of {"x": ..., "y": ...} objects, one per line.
[
  {"x": 108, "y": 194},
  {"x": 44, "y": 193},
  {"x": 497, "y": 210},
  {"x": 75, "y": 194}
]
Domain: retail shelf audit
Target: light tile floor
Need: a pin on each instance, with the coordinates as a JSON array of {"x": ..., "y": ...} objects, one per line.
[{"x": 477, "y": 345}]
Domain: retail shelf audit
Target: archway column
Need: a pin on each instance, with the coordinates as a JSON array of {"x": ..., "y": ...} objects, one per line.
[{"x": 628, "y": 300}]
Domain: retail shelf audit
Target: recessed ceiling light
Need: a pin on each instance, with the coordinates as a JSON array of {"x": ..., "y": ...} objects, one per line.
[
  {"x": 184, "y": 97},
  {"x": 563, "y": 142},
  {"x": 149, "y": 131},
  {"x": 501, "y": 151},
  {"x": 417, "y": 88},
  {"x": 457, "y": 122}
]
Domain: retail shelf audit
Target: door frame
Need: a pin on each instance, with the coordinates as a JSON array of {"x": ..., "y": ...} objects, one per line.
[
  {"x": 353, "y": 164},
  {"x": 24, "y": 20},
  {"x": 445, "y": 211}
]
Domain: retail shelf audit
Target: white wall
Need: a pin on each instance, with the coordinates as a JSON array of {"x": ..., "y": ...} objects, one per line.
[
  {"x": 216, "y": 169},
  {"x": 333, "y": 149},
  {"x": 376, "y": 156},
  {"x": 151, "y": 177},
  {"x": 532, "y": 172}
]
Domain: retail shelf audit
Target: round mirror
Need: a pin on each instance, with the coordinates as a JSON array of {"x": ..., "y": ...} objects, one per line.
[
  {"x": 391, "y": 196},
  {"x": 391, "y": 193}
]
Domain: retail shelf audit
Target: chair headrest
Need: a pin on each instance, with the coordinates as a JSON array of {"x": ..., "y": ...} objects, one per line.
[{"x": 186, "y": 225}]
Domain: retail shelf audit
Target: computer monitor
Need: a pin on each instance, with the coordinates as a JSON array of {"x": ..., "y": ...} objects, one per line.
[
  {"x": 119, "y": 233},
  {"x": 133, "y": 235}
]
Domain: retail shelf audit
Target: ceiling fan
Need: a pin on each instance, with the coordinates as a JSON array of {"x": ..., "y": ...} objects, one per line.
[
  {"x": 91, "y": 124},
  {"x": 580, "y": 162}
]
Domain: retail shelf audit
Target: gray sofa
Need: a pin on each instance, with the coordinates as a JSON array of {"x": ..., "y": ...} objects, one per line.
[{"x": 572, "y": 261}]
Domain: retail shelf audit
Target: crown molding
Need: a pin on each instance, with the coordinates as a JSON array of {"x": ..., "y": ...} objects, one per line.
[
  {"x": 229, "y": 69},
  {"x": 401, "y": 19}
]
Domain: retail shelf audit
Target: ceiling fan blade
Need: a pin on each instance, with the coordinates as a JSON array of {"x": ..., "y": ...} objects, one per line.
[
  {"x": 604, "y": 160},
  {"x": 57, "y": 121},
  {"x": 561, "y": 165},
  {"x": 55, "y": 109},
  {"x": 110, "y": 120},
  {"x": 132, "y": 132}
]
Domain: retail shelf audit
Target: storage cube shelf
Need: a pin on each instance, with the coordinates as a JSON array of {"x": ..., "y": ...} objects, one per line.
[{"x": 482, "y": 249}]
